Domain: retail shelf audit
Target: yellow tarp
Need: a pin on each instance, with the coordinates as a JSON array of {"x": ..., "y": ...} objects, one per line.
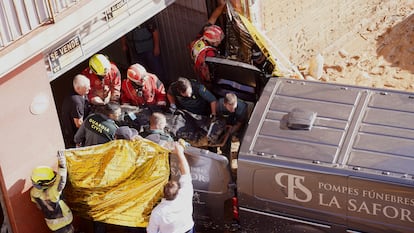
[{"x": 118, "y": 182}]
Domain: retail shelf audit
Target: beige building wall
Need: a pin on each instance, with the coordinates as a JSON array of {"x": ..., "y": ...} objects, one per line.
[
  {"x": 30, "y": 129},
  {"x": 30, "y": 137}
]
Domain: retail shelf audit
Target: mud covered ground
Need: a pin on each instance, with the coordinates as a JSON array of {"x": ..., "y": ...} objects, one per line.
[{"x": 378, "y": 52}]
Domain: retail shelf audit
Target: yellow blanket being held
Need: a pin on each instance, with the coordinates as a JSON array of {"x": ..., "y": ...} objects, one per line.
[{"x": 118, "y": 182}]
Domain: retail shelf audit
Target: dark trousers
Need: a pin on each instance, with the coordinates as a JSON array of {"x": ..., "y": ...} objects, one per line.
[
  {"x": 99, "y": 227},
  {"x": 66, "y": 229}
]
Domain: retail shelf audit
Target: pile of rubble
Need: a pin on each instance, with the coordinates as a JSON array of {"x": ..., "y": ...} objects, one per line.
[{"x": 377, "y": 53}]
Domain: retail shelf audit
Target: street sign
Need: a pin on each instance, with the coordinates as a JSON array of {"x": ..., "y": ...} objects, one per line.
[
  {"x": 65, "y": 54},
  {"x": 116, "y": 9}
]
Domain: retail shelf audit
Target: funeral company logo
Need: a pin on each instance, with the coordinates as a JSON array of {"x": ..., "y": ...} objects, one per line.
[
  {"x": 369, "y": 199},
  {"x": 293, "y": 184}
]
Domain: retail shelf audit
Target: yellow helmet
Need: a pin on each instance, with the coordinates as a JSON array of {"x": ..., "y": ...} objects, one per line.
[
  {"x": 99, "y": 64},
  {"x": 43, "y": 175}
]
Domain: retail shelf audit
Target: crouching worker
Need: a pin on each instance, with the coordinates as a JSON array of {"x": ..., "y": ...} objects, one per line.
[
  {"x": 234, "y": 111},
  {"x": 47, "y": 194}
]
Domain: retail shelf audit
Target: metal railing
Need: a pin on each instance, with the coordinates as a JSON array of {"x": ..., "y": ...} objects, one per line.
[{"x": 18, "y": 18}]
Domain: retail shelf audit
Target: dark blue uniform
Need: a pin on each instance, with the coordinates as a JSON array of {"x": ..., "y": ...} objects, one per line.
[{"x": 198, "y": 103}]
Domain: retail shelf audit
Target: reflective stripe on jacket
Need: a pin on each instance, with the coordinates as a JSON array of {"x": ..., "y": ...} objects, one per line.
[{"x": 57, "y": 213}]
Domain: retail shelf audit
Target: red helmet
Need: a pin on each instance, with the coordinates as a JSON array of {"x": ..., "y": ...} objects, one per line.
[
  {"x": 213, "y": 34},
  {"x": 136, "y": 73}
]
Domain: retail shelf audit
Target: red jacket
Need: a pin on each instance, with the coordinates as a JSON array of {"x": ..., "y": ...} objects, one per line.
[
  {"x": 200, "y": 49},
  {"x": 151, "y": 93},
  {"x": 111, "y": 84}
]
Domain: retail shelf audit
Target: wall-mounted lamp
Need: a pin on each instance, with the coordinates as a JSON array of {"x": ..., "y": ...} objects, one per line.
[{"x": 39, "y": 104}]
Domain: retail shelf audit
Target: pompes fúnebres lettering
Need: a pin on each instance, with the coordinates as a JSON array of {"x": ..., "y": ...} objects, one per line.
[
  {"x": 372, "y": 194},
  {"x": 338, "y": 188},
  {"x": 359, "y": 200}
]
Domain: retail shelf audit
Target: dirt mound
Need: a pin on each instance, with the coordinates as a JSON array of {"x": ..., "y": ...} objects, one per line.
[{"x": 378, "y": 53}]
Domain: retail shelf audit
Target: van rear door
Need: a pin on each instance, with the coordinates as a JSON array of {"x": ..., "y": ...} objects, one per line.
[{"x": 243, "y": 79}]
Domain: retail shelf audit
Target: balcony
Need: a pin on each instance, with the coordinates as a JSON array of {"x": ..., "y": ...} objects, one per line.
[
  {"x": 19, "y": 18},
  {"x": 29, "y": 28}
]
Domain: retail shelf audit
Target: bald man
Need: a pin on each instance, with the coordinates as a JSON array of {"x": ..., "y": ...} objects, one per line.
[{"x": 75, "y": 108}]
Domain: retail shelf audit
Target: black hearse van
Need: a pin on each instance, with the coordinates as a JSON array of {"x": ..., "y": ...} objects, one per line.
[{"x": 315, "y": 157}]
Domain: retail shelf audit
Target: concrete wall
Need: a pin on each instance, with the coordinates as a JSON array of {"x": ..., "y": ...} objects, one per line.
[{"x": 179, "y": 24}]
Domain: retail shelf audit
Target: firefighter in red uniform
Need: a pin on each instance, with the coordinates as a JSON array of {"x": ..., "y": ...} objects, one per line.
[
  {"x": 142, "y": 88},
  {"x": 205, "y": 46},
  {"x": 105, "y": 80},
  {"x": 47, "y": 194}
]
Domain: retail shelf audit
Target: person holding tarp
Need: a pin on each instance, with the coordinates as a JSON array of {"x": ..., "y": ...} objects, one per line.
[
  {"x": 174, "y": 214},
  {"x": 117, "y": 183},
  {"x": 99, "y": 128},
  {"x": 47, "y": 191}
]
